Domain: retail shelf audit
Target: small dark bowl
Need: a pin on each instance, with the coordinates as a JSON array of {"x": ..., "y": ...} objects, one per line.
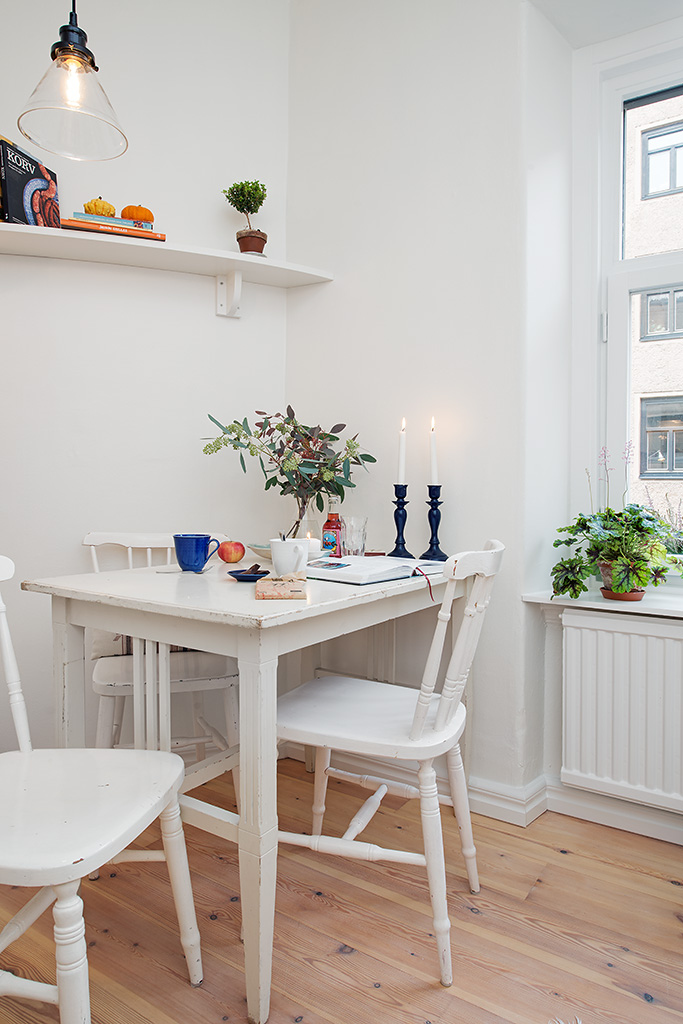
[{"x": 247, "y": 577}]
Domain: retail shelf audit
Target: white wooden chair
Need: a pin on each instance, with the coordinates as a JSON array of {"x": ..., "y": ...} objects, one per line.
[
  {"x": 192, "y": 672},
  {"x": 65, "y": 813},
  {"x": 388, "y": 722}
]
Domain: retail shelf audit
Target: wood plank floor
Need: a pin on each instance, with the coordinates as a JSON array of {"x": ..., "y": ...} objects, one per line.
[{"x": 573, "y": 919}]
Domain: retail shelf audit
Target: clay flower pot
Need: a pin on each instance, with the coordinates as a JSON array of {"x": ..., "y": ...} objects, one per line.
[
  {"x": 251, "y": 240},
  {"x": 606, "y": 590}
]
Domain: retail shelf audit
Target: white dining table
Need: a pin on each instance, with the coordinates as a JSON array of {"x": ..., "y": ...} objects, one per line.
[{"x": 212, "y": 612}]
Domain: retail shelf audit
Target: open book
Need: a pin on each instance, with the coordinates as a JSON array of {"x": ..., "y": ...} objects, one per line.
[{"x": 378, "y": 569}]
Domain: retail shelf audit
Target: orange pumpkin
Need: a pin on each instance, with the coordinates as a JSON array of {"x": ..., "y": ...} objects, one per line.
[{"x": 137, "y": 213}]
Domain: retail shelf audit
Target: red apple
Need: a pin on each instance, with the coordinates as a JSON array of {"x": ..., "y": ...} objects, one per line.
[{"x": 231, "y": 551}]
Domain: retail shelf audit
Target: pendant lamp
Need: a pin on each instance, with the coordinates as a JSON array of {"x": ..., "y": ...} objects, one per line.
[{"x": 68, "y": 112}]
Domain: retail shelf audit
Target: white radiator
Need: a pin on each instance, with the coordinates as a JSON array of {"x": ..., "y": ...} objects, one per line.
[{"x": 622, "y": 727}]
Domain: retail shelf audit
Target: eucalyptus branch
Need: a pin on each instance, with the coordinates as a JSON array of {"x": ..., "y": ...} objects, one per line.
[{"x": 306, "y": 462}]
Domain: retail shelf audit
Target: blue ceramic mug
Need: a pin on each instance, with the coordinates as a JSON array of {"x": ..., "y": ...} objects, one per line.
[{"x": 192, "y": 550}]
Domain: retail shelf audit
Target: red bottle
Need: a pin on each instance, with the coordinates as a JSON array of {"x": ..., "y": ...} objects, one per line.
[{"x": 332, "y": 530}]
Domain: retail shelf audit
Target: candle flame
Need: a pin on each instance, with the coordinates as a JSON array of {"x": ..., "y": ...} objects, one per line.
[
  {"x": 308, "y": 535},
  {"x": 433, "y": 423},
  {"x": 403, "y": 423}
]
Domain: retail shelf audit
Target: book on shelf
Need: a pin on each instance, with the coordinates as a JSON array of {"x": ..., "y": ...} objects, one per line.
[
  {"x": 112, "y": 229},
  {"x": 99, "y": 219},
  {"x": 29, "y": 189},
  {"x": 361, "y": 570}
]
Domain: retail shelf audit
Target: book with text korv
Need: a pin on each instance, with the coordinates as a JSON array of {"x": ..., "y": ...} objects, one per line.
[
  {"x": 361, "y": 570},
  {"x": 29, "y": 189}
]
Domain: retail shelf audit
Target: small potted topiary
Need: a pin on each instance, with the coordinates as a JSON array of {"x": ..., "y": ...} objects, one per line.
[{"x": 248, "y": 197}]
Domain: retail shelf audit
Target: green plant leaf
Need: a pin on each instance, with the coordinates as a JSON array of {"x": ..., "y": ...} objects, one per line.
[{"x": 219, "y": 425}]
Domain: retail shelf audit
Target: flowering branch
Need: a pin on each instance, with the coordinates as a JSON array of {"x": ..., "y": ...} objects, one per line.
[{"x": 300, "y": 460}]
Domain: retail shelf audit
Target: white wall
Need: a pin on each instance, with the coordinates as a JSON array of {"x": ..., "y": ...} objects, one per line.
[
  {"x": 409, "y": 175},
  {"x": 547, "y": 135},
  {"x": 107, "y": 374},
  {"x": 406, "y": 148}
]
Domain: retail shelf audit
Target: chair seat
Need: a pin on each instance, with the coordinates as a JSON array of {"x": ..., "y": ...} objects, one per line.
[
  {"x": 90, "y": 803},
  {"x": 187, "y": 667},
  {"x": 364, "y": 717}
]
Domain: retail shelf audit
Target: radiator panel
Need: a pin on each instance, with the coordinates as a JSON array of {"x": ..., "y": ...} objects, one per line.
[{"x": 622, "y": 706}]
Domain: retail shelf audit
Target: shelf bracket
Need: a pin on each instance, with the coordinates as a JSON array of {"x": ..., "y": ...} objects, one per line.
[{"x": 228, "y": 293}]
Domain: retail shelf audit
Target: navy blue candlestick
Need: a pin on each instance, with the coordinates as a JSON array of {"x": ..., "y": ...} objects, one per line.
[
  {"x": 400, "y": 516},
  {"x": 434, "y": 552}
]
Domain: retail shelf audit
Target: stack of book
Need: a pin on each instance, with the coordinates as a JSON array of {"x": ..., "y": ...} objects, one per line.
[{"x": 112, "y": 225}]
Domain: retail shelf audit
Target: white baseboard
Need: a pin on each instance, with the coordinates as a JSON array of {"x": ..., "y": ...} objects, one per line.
[
  {"x": 606, "y": 810},
  {"x": 520, "y": 805}
]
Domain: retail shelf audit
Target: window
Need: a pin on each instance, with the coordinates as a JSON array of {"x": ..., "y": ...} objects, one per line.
[
  {"x": 661, "y": 315},
  {"x": 661, "y": 437},
  {"x": 663, "y": 161},
  {"x": 628, "y": 265},
  {"x": 652, "y": 174}
]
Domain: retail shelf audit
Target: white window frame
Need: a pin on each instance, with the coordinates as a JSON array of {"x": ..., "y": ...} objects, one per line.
[
  {"x": 605, "y": 76},
  {"x": 660, "y": 133}
]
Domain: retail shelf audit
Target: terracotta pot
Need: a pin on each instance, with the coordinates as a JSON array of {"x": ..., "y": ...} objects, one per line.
[
  {"x": 628, "y": 595},
  {"x": 636, "y": 594},
  {"x": 251, "y": 241}
]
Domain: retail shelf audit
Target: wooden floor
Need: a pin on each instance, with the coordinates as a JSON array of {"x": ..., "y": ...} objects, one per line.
[{"x": 573, "y": 919}]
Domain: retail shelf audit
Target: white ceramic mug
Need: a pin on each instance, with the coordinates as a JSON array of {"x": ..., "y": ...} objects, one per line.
[{"x": 289, "y": 555}]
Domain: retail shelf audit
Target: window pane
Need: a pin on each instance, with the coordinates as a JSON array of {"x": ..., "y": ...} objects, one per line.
[
  {"x": 658, "y": 313},
  {"x": 659, "y": 164},
  {"x": 657, "y": 452},
  {"x": 678, "y": 450},
  {"x": 678, "y": 299},
  {"x": 653, "y": 175},
  {"x": 665, "y": 141},
  {"x": 663, "y": 414}
]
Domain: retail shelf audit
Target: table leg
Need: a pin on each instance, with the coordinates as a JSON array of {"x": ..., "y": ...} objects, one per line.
[
  {"x": 258, "y": 828},
  {"x": 68, "y": 653}
]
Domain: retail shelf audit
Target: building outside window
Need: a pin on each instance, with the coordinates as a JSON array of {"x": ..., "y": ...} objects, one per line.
[{"x": 652, "y": 225}]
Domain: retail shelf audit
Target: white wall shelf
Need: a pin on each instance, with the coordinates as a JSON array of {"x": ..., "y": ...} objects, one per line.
[{"x": 229, "y": 268}]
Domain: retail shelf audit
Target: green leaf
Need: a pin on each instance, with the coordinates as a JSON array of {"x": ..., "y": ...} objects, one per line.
[
  {"x": 368, "y": 458},
  {"x": 219, "y": 425},
  {"x": 244, "y": 468},
  {"x": 319, "y": 501},
  {"x": 568, "y": 576}
]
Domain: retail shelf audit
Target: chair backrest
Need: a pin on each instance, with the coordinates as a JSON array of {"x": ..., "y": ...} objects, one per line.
[
  {"x": 10, "y": 667},
  {"x": 146, "y": 544},
  {"x": 140, "y": 548},
  {"x": 481, "y": 567}
]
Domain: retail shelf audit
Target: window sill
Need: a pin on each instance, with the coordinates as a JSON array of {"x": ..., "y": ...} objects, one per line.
[{"x": 665, "y": 601}]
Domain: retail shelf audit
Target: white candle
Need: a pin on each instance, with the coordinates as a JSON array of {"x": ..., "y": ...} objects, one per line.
[
  {"x": 313, "y": 545},
  {"x": 432, "y": 456},
  {"x": 401, "y": 474}
]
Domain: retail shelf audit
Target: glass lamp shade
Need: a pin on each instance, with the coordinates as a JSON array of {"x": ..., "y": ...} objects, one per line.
[{"x": 68, "y": 113}]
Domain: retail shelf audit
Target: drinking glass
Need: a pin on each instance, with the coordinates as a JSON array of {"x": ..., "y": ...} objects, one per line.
[{"x": 353, "y": 535}]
